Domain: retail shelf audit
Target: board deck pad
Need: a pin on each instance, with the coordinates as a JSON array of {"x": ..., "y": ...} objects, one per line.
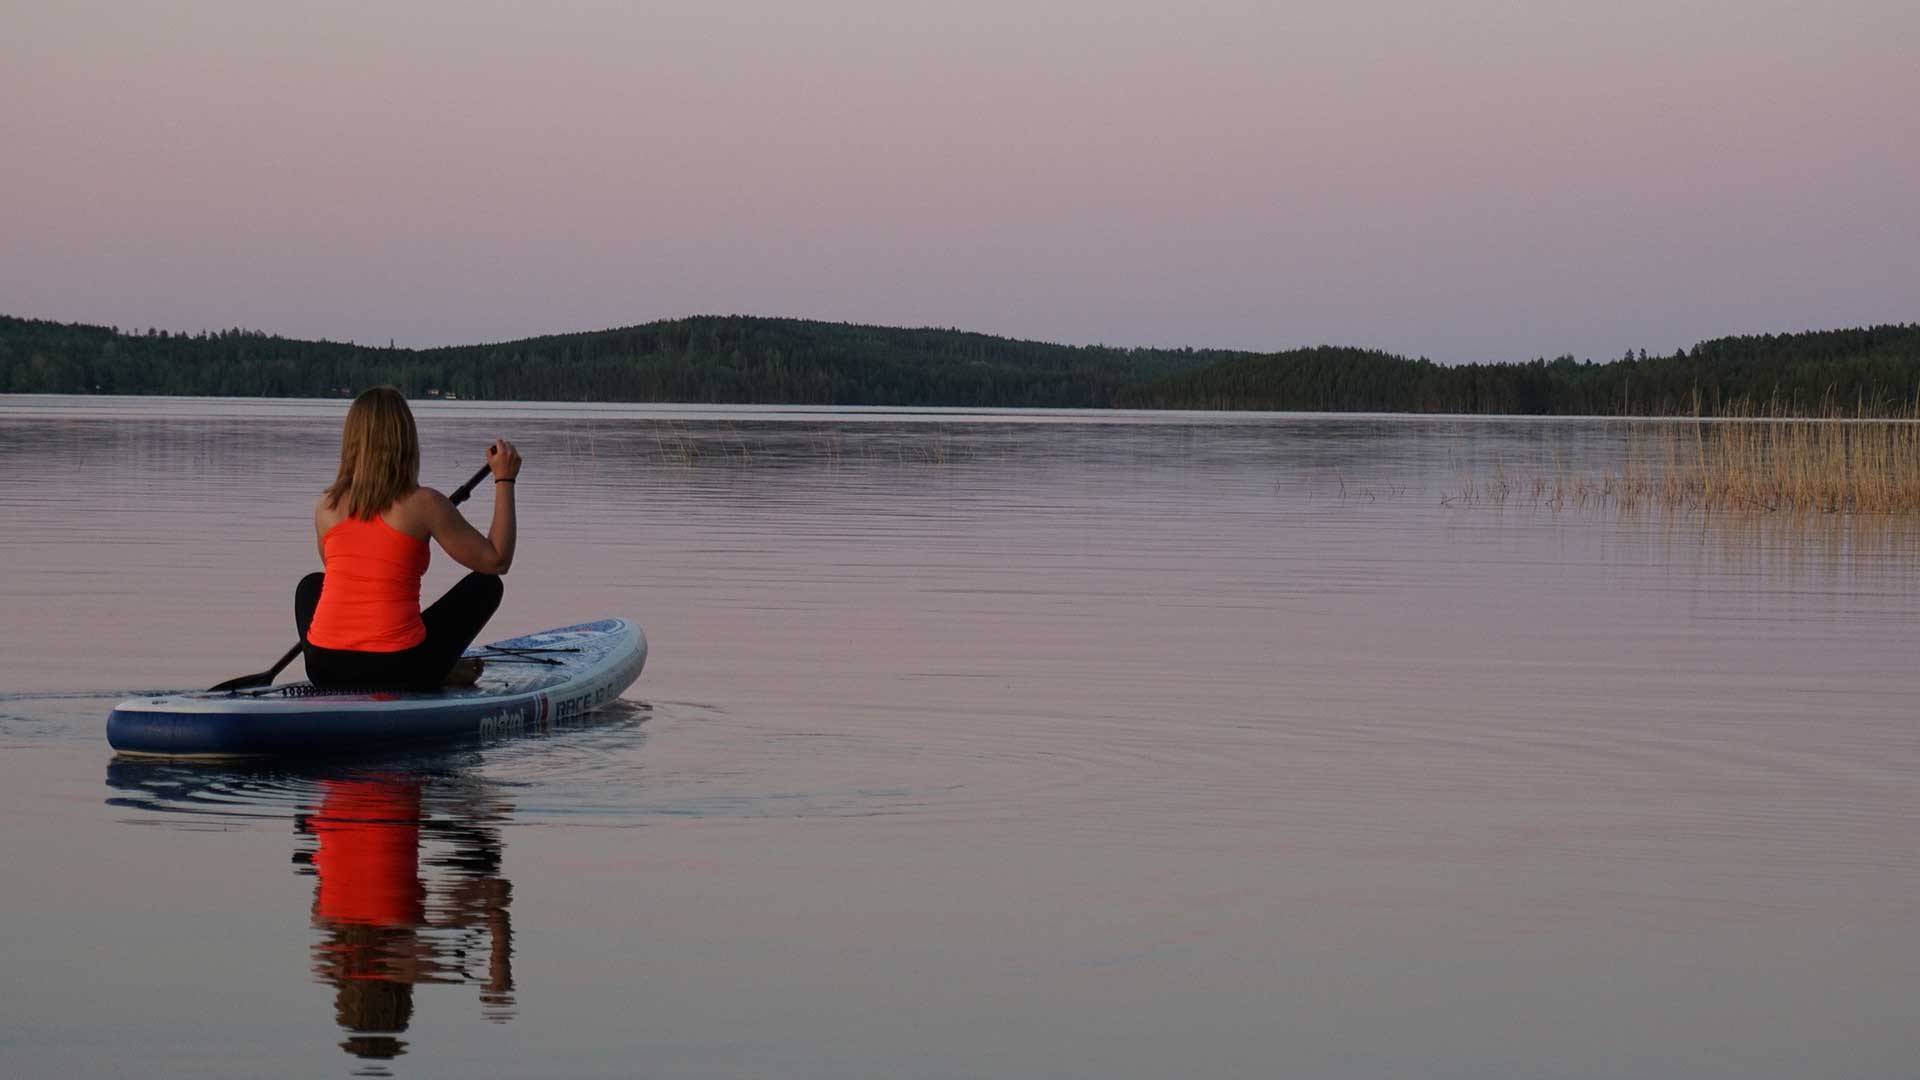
[{"x": 531, "y": 683}]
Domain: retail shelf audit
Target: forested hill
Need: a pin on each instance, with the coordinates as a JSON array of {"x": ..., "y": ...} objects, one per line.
[
  {"x": 706, "y": 359},
  {"x": 713, "y": 359},
  {"x": 1873, "y": 371}
]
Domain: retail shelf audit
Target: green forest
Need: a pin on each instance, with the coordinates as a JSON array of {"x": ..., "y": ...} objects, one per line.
[
  {"x": 1868, "y": 372},
  {"x": 732, "y": 359},
  {"x": 740, "y": 359}
]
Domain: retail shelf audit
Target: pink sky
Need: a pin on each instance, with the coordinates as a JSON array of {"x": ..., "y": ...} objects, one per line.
[{"x": 1472, "y": 180}]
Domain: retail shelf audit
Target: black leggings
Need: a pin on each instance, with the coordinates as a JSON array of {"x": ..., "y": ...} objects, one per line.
[{"x": 453, "y": 621}]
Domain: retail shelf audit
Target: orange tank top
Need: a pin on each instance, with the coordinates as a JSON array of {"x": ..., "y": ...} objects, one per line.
[{"x": 370, "y": 600}]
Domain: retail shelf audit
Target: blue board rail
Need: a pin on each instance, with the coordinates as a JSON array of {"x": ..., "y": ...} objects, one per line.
[{"x": 531, "y": 683}]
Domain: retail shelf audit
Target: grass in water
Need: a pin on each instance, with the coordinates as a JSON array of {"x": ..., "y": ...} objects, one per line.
[
  {"x": 1742, "y": 465},
  {"x": 678, "y": 444}
]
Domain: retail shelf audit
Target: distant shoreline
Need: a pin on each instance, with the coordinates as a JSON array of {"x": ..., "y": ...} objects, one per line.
[
  {"x": 743, "y": 360},
  {"x": 694, "y": 411}
]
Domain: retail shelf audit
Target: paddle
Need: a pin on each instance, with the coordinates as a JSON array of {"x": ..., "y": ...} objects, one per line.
[{"x": 264, "y": 678}]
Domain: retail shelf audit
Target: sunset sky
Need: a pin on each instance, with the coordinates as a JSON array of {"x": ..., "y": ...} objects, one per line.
[{"x": 1469, "y": 179}]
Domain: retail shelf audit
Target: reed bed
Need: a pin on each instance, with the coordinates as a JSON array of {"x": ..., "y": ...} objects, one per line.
[
  {"x": 681, "y": 445},
  {"x": 1747, "y": 465}
]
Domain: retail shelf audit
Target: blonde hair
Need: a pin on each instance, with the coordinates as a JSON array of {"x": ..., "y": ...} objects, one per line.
[{"x": 379, "y": 454}]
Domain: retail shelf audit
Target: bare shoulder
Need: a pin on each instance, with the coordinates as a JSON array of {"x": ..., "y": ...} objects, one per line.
[
  {"x": 325, "y": 516},
  {"x": 419, "y": 510}
]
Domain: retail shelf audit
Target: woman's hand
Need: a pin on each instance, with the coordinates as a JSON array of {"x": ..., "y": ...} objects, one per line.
[
  {"x": 503, "y": 459},
  {"x": 492, "y": 553}
]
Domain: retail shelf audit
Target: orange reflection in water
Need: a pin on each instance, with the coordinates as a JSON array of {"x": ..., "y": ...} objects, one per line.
[{"x": 408, "y": 880}]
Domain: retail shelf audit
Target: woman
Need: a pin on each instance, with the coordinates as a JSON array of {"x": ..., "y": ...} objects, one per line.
[{"x": 360, "y": 621}]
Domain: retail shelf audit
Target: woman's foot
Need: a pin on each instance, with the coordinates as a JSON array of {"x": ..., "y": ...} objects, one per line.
[{"x": 465, "y": 671}]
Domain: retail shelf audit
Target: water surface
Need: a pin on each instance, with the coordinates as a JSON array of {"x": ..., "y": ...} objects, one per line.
[{"x": 974, "y": 744}]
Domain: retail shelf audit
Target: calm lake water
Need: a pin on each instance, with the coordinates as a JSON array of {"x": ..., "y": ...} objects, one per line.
[{"x": 974, "y": 745}]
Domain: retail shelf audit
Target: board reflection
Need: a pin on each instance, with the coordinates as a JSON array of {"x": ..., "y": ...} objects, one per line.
[{"x": 406, "y": 864}]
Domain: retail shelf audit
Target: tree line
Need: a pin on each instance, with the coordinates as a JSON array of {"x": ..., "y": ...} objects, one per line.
[
  {"x": 731, "y": 359},
  {"x": 1874, "y": 371},
  {"x": 740, "y": 359}
]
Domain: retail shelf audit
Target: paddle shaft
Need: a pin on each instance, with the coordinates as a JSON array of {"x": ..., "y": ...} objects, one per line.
[
  {"x": 460, "y": 493},
  {"x": 262, "y": 678}
]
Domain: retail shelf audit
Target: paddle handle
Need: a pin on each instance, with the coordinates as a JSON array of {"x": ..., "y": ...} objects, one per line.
[{"x": 460, "y": 493}]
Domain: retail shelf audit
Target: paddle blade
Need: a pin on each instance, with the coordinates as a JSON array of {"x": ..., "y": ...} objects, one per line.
[{"x": 258, "y": 678}]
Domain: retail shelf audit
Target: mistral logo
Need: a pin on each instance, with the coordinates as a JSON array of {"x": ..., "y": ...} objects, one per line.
[{"x": 504, "y": 722}]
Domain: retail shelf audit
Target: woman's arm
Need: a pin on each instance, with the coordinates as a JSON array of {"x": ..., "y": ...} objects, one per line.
[
  {"x": 320, "y": 527},
  {"x": 492, "y": 553}
]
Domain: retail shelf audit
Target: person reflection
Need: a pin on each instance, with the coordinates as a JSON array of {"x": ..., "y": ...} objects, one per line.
[{"x": 389, "y": 919}]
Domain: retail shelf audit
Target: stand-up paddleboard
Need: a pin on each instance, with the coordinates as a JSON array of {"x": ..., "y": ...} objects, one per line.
[{"x": 531, "y": 683}]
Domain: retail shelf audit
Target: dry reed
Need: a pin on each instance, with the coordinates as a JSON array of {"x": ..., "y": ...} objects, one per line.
[
  {"x": 678, "y": 444},
  {"x": 1742, "y": 465}
]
